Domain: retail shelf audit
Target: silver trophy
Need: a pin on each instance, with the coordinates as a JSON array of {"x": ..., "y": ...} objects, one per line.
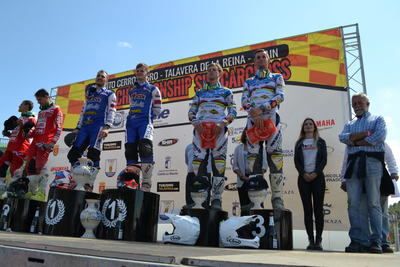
[
  {"x": 199, "y": 198},
  {"x": 83, "y": 173},
  {"x": 257, "y": 190},
  {"x": 199, "y": 191}
]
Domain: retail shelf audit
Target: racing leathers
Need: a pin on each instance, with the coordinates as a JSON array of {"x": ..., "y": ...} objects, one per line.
[
  {"x": 18, "y": 144},
  {"x": 97, "y": 113},
  {"x": 145, "y": 106},
  {"x": 210, "y": 105},
  {"x": 45, "y": 135},
  {"x": 265, "y": 91}
]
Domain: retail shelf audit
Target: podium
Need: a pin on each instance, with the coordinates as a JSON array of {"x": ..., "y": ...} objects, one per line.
[
  {"x": 20, "y": 214},
  {"x": 283, "y": 227},
  {"x": 63, "y": 209},
  {"x": 209, "y": 225},
  {"x": 128, "y": 214}
]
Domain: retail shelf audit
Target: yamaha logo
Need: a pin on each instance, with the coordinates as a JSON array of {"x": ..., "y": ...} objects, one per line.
[{"x": 168, "y": 142}]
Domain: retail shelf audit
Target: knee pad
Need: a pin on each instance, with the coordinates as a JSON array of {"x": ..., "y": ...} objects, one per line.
[
  {"x": 145, "y": 147},
  {"x": 74, "y": 154},
  {"x": 217, "y": 187},
  {"x": 275, "y": 162},
  {"x": 93, "y": 154},
  {"x": 131, "y": 151}
]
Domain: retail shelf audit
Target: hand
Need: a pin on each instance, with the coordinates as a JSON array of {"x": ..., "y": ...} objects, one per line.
[
  {"x": 362, "y": 143},
  {"x": 197, "y": 127},
  {"x": 395, "y": 176},
  {"x": 307, "y": 177},
  {"x": 313, "y": 175},
  {"x": 354, "y": 137},
  {"x": 48, "y": 147},
  {"x": 343, "y": 186},
  {"x": 254, "y": 112},
  {"x": 259, "y": 123},
  {"x": 104, "y": 133},
  {"x": 220, "y": 128}
]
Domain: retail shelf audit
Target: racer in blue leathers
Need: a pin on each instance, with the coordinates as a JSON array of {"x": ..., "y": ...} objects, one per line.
[
  {"x": 95, "y": 121},
  {"x": 210, "y": 105},
  {"x": 261, "y": 97},
  {"x": 145, "y": 105}
]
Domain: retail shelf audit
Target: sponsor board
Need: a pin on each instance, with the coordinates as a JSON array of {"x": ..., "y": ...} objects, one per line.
[
  {"x": 168, "y": 142},
  {"x": 168, "y": 187},
  {"x": 114, "y": 145}
]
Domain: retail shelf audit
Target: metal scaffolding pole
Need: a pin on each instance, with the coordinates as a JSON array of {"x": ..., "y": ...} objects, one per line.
[{"x": 354, "y": 61}]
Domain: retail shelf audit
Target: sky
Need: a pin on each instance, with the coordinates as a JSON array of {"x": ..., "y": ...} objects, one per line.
[{"x": 47, "y": 43}]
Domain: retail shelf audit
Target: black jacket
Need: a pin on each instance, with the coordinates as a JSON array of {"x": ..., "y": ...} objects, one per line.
[{"x": 320, "y": 160}]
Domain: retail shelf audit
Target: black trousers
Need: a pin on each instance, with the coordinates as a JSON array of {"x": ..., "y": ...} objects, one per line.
[
  {"x": 312, "y": 195},
  {"x": 244, "y": 200}
]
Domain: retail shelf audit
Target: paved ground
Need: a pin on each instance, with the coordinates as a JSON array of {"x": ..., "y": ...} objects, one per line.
[{"x": 195, "y": 256}]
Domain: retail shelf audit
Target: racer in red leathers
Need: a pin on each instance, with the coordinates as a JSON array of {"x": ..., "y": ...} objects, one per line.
[
  {"x": 46, "y": 134},
  {"x": 19, "y": 142}
]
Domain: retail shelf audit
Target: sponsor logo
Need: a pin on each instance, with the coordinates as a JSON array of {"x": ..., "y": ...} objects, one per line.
[
  {"x": 168, "y": 187},
  {"x": 138, "y": 96},
  {"x": 164, "y": 114},
  {"x": 327, "y": 208},
  {"x": 118, "y": 120},
  {"x": 233, "y": 240},
  {"x": 235, "y": 131},
  {"x": 110, "y": 167},
  {"x": 231, "y": 187},
  {"x": 102, "y": 187},
  {"x": 168, "y": 142},
  {"x": 325, "y": 124},
  {"x": 288, "y": 152},
  {"x": 58, "y": 169},
  {"x": 175, "y": 238},
  {"x": 115, "y": 145},
  {"x": 332, "y": 177},
  {"x": 167, "y": 162}
]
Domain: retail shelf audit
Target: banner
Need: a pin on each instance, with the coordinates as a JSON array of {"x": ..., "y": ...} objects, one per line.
[
  {"x": 316, "y": 86},
  {"x": 315, "y": 59}
]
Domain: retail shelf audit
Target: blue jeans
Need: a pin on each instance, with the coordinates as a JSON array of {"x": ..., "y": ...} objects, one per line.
[
  {"x": 385, "y": 220},
  {"x": 356, "y": 204}
]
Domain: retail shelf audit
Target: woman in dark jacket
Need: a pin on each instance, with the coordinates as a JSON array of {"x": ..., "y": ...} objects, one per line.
[{"x": 310, "y": 158}]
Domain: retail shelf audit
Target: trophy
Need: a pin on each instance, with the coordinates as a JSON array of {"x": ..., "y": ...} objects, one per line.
[
  {"x": 83, "y": 173},
  {"x": 90, "y": 217},
  {"x": 257, "y": 190},
  {"x": 199, "y": 191}
]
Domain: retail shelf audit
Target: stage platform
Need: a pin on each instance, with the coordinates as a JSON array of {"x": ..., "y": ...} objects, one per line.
[{"x": 17, "y": 249}]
